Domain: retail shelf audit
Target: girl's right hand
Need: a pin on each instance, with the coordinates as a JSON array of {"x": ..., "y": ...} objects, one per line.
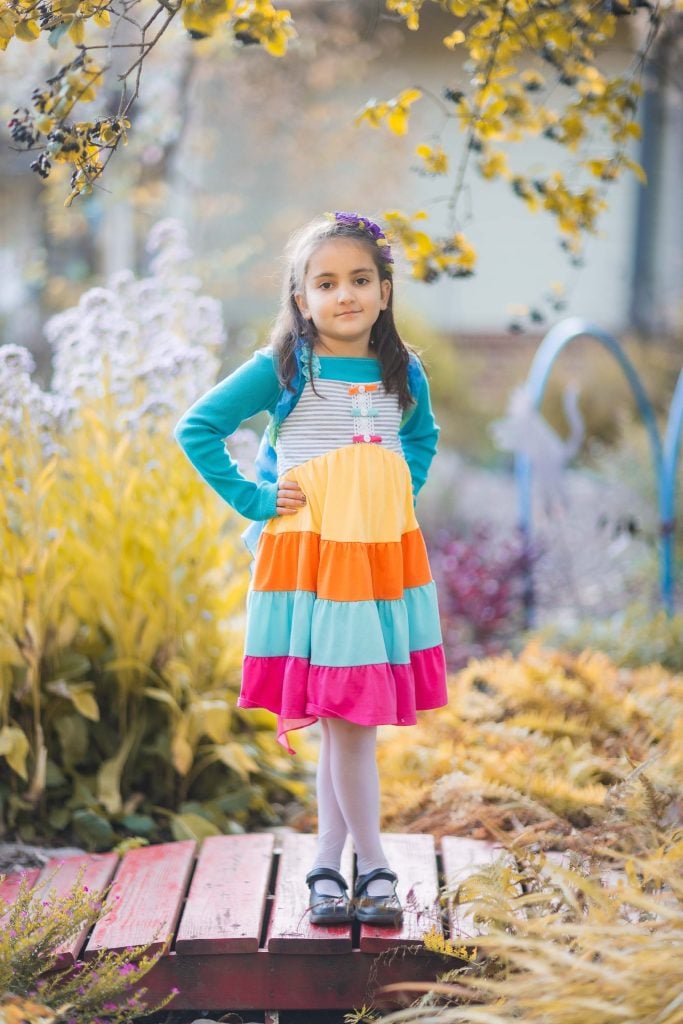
[{"x": 290, "y": 497}]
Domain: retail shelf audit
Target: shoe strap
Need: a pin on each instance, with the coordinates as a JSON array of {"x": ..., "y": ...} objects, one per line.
[
  {"x": 317, "y": 874},
  {"x": 363, "y": 880}
]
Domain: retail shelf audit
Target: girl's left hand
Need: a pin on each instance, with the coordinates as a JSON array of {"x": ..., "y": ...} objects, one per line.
[{"x": 290, "y": 497}]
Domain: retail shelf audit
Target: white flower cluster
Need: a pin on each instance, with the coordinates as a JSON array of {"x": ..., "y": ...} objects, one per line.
[
  {"x": 149, "y": 346},
  {"x": 22, "y": 402}
]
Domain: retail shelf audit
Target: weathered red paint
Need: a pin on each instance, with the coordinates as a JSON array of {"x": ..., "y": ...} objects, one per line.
[
  {"x": 231, "y": 943},
  {"x": 227, "y": 897},
  {"x": 57, "y": 879},
  {"x": 145, "y": 900},
  {"x": 290, "y": 981},
  {"x": 9, "y": 887},
  {"x": 413, "y": 858},
  {"x": 290, "y": 929}
]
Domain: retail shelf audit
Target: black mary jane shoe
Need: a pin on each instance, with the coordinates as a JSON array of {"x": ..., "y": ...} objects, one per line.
[
  {"x": 378, "y": 910},
  {"x": 327, "y": 909}
]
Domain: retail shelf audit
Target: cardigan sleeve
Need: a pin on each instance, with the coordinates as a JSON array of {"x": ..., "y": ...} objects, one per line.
[
  {"x": 201, "y": 431},
  {"x": 419, "y": 434}
]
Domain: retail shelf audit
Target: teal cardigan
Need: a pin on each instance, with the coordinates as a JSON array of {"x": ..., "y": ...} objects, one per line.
[{"x": 254, "y": 388}]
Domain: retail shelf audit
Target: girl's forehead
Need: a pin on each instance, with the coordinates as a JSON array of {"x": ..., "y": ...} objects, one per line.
[{"x": 339, "y": 255}]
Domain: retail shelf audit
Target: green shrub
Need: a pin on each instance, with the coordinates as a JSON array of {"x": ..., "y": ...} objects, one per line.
[
  {"x": 122, "y": 585},
  {"x": 99, "y": 990},
  {"x": 634, "y": 638}
]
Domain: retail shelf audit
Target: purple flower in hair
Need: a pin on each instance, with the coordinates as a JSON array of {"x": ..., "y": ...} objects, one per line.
[
  {"x": 385, "y": 252},
  {"x": 355, "y": 220}
]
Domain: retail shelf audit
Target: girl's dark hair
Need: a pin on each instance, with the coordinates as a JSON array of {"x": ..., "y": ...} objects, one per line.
[{"x": 392, "y": 352}]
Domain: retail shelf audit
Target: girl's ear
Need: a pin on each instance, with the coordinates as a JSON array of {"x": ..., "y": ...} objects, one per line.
[
  {"x": 300, "y": 300},
  {"x": 385, "y": 292}
]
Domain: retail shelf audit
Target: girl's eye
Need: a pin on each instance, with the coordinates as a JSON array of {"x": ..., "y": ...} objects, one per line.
[{"x": 362, "y": 280}]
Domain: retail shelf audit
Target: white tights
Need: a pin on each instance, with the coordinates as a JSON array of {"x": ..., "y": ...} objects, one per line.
[{"x": 347, "y": 787}]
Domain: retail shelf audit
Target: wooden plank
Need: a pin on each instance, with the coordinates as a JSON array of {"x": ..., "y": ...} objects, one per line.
[
  {"x": 413, "y": 858},
  {"x": 9, "y": 887},
  {"x": 290, "y": 929},
  {"x": 59, "y": 876},
  {"x": 145, "y": 899},
  {"x": 263, "y": 980},
  {"x": 227, "y": 898},
  {"x": 463, "y": 857}
]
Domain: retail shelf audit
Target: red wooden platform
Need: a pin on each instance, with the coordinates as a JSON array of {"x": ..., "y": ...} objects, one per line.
[{"x": 232, "y": 918}]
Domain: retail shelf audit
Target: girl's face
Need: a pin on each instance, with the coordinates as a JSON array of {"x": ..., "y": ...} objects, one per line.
[{"x": 343, "y": 295}]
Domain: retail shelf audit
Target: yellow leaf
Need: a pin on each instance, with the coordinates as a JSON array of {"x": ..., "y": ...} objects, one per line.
[
  {"x": 454, "y": 39},
  {"x": 493, "y": 165},
  {"x": 235, "y": 756},
  {"x": 77, "y": 31},
  {"x": 80, "y": 694},
  {"x": 7, "y": 24},
  {"x": 102, "y": 18},
  {"x": 44, "y": 123},
  {"x": 276, "y": 45},
  {"x": 84, "y": 701},
  {"x": 408, "y": 96},
  {"x": 192, "y": 826},
  {"x": 181, "y": 754},
  {"x": 214, "y": 717},
  {"x": 109, "y": 774},
  {"x": 14, "y": 746},
  {"x": 9, "y": 652},
  {"x": 198, "y": 21},
  {"x": 435, "y": 159},
  {"x": 27, "y": 30},
  {"x": 637, "y": 170},
  {"x": 157, "y": 693},
  {"x": 397, "y": 121},
  {"x": 605, "y": 168}
]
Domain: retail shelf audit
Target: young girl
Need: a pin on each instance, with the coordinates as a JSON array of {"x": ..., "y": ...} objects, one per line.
[{"x": 342, "y": 617}]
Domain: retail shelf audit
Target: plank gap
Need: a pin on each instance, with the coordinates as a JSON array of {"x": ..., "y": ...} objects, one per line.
[
  {"x": 181, "y": 909},
  {"x": 267, "y": 913},
  {"x": 274, "y": 868},
  {"x": 224, "y": 904}
]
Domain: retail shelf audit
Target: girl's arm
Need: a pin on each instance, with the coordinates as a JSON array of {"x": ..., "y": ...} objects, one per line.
[
  {"x": 419, "y": 434},
  {"x": 200, "y": 432}
]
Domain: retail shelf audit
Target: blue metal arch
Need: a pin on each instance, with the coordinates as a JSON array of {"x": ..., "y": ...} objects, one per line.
[
  {"x": 672, "y": 448},
  {"x": 665, "y": 459}
]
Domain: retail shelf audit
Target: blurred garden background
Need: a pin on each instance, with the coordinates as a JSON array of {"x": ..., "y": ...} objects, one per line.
[{"x": 526, "y": 157}]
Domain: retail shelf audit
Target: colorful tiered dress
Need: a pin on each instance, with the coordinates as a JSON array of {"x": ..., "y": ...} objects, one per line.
[{"x": 342, "y": 615}]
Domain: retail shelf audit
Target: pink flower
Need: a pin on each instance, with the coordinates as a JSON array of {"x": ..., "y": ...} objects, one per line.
[{"x": 126, "y": 968}]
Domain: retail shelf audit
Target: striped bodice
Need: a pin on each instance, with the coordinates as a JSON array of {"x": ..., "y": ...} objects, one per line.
[{"x": 340, "y": 414}]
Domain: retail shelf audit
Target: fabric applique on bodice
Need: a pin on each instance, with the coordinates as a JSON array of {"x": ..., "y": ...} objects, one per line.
[{"x": 339, "y": 414}]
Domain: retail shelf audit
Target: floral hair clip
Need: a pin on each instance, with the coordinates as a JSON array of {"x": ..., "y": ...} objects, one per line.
[{"x": 374, "y": 230}]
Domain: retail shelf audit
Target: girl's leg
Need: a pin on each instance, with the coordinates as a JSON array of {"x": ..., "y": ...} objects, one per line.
[
  {"x": 332, "y": 828},
  {"x": 354, "y": 776}
]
